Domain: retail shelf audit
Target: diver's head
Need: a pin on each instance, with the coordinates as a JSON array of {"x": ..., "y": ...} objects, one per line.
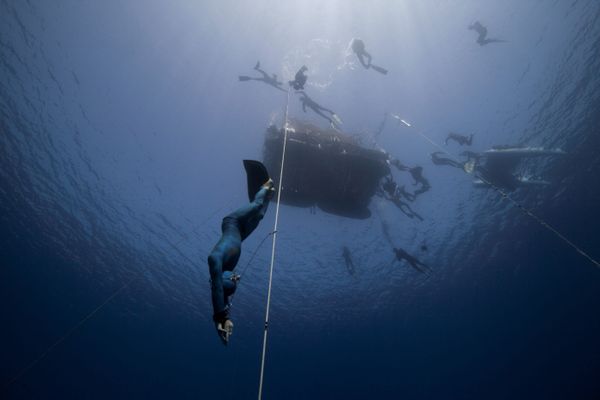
[{"x": 230, "y": 280}]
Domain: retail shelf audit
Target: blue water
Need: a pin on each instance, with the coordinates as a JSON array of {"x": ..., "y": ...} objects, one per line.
[{"x": 122, "y": 130}]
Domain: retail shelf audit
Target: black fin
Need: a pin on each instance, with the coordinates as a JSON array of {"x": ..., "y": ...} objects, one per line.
[
  {"x": 256, "y": 175},
  {"x": 381, "y": 70}
]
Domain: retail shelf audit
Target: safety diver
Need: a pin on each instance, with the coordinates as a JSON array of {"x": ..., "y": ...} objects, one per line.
[
  {"x": 269, "y": 80},
  {"x": 318, "y": 109},
  {"x": 300, "y": 79},
  {"x": 348, "y": 260},
  {"x": 460, "y": 139},
  {"x": 401, "y": 254},
  {"x": 358, "y": 47},
  {"x": 482, "y": 31}
]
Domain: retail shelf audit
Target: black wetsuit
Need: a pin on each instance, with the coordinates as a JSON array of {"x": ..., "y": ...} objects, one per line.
[
  {"x": 482, "y": 39},
  {"x": 417, "y": 174},
  {"x": 358, "y": 46},
  {"x": 437, "y": 159},
  {"x": 413, "y": 261},
  {"x": 316, "y": 107},
  {"x": 300, "y": 79},
  {"x": 348, "y": 260},
  {"x": 235, "y": 227},
  {"x": 460, "y": 139}
]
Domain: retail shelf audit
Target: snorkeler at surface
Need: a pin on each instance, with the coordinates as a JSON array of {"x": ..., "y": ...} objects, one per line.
[
  {"x": 269, "y": 80},
  {"x": 300, "y": 79},
  {"x": 412, "y": 261},
  {"x": 482, "y": 31},
  {"x": 348, "y": 260},
  {"x": 358, "y": 47},
  {"x": 460, "y": 139},
  {"x": 236, "y": 227},
  {"x": 317, "y": 108}
]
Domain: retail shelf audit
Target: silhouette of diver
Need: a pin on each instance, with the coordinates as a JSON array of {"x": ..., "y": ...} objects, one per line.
[
  {"x": 358, "y": 47},
  {"x": 317, "y": 108},
  {"x": 393, "y": 193},
  {"x": 460, "y": 139},
  {"x": 300, "y": 79},
  {"x": 269, "y": 80},
  {"x": 437, "y": 159},
  {"x": 412, "y": 261},
  {"x": 482, "y": 31},
  {"x": 236, "y": 227},
  {"x": 348, "y": 260},
  {"x": 417, "y": 175}
]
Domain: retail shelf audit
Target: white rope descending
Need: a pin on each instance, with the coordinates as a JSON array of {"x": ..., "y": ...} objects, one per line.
[
  {"x": 264, "y": 348},
  {"x": 505, "y": 195}
]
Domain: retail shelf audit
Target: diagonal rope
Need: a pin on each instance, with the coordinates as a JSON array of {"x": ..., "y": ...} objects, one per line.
[
  {"x": 87, "y": 317},
  {"x": 505, "y": 195},
  {"x": 264, "y": 348}
]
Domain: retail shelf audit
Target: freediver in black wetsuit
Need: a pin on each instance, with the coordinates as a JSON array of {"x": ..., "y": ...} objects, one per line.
[
  {"x": 437, "y": 159},
  {"x": 236, "y": 227},
  {"x": 358, "y": 47},
  {"x": 300, "y": 79},
  {"x": 269, "y": 80},
  {"x": 393, "y": 193},
  {"x": 412, "y": 261},
  {"x": 417, "y": 175},
  {"x": 482, "y": 31},
  {"x": 460, "y": 139},
  {"x": 348, "y": 260},
  {"x": 317, "y": 108}
]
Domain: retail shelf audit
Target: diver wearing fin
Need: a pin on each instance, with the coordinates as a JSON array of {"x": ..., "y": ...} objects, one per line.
[
  {"x": 269, "y": 80},
  {"x": 482, "y": 39},
  {"x": 417, "y": 174},
  {"x": 358, "y": 47},
  {"x": 300, "y": 79},
  {"x": 348, "y": 260},
  {"x": 236, "y": 227},
  {"x": 438, "y": 159},
  {"x": 317, "y": 108},
  {"x": 393, "y": 193},
  {"x": 460, "y": 139},
  {"x": 401, "y": 254}
]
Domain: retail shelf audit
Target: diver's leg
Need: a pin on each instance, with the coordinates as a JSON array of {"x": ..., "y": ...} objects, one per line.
[
  {"x": 362, "y": 60},
  {"x": 326, "y": 110},
  {"x": 369, "y": 57},
  {"x": 250, "y": 215}
]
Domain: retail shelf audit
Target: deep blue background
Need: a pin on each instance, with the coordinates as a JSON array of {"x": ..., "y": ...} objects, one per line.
[{"x": 122, "y": 130}]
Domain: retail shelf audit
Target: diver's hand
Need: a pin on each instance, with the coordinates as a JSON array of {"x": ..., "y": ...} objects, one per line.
[{"x": 225, "y": 330}]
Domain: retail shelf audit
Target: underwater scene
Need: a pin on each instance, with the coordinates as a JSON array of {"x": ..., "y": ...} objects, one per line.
[{"x": 300, "y": 199}]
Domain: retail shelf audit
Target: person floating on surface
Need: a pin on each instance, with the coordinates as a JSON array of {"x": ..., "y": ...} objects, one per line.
[
  {"x": 358, "y": 47},
  {"x": 235, "y": 228},
  {"x": 300, "y": 79},
  {"x": 460, "y": 139},
  {"x": 269, "y": 80}
]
